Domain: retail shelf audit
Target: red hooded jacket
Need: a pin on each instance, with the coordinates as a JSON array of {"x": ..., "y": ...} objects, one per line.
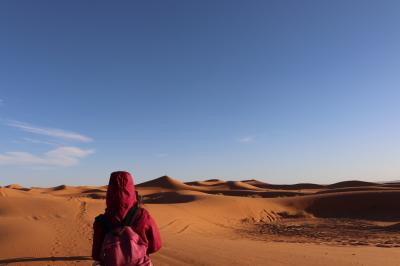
[{"x": 121, "y": 197}]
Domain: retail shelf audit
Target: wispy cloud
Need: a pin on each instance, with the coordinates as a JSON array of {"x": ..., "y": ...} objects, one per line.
[
  {"x": 37, "y": 141},
  {"x": 1, "y": 102},
  {"x": 51, "y": 132},
  {"x": 61, "y": 156},
  {"x": 246, "y": 139},
  {"x": 161, "y": 155}
]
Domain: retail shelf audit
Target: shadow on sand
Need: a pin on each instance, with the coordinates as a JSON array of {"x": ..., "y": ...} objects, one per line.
[{"x": 32, "y": 259}]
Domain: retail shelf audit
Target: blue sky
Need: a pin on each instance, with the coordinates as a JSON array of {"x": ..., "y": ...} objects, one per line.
[{"x": 282, "y": 91}]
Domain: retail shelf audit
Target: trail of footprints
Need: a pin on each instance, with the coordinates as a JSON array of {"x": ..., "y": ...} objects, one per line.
[
  {"x": 63, "y": 242},
  {"x": 83, "y": 227},
  {"x": 57, "y": 246}
]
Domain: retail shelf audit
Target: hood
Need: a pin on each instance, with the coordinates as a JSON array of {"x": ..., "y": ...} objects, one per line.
[{"x": 121, "y": 196}]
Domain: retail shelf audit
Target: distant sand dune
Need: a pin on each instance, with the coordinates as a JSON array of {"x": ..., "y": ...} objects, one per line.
[
  {"x": 354, "y": 189},
  {"x": 211, "y": 182},
  {"x": 241, "y": 185},
  {"x": 352, "y": 183},
  {"x": 17, "y": 186},
  {"x": 171, "y": 197},
  {"x": 166, "y": 182},
  {"x": 60, "y": 187},
  {"x": 299, "y": 186},
  {"x": 14, "y": 186}
]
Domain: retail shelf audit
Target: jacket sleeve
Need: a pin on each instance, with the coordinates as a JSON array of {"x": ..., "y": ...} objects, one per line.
[
  {"x": 152, "y": 235},
  {"x": 98, "y": 237}
]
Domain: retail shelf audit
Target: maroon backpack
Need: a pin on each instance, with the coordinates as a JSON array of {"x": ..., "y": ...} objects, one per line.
[{"x": 122, "y": 246}]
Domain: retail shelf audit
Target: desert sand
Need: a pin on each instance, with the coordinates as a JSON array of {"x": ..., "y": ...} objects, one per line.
[{"x": 213, "y": 222}]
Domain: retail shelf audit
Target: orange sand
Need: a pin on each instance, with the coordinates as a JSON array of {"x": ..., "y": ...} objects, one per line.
[{"x": 213, "y": 222}]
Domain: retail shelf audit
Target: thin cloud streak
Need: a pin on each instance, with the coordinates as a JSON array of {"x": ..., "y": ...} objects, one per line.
[
  {"x": 36, "y": 141},
  {"x": 51, "y": 132},
  {"x": 62, "y": 156},
  {"x": 246, "y": 139}
]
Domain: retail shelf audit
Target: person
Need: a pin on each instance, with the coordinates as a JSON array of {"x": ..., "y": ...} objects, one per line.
[{"x": 122, "y": 198}]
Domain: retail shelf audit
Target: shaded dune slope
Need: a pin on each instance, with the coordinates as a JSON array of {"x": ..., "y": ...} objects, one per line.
[
  {"x": 299, "y": 186},
  {"x": 352, "y": 183},
  {"x": 211, "y": 182},
  {"x": 369, "y": 205}
]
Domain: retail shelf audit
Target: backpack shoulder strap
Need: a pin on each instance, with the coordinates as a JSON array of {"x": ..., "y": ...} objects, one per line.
[
  {"x": 102, "y": 220},
  {"x": 128, "y": 220},
  {"x": 131, "y": 215}
]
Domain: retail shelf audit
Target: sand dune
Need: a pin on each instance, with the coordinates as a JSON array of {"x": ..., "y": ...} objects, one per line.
[
  {"x": 240, "y": 185},
  {"x": 353, "y": 189},
  {"x": 211, "y": 182},
  {"x": 166, "y": 182},
  {"x": 224, "y": 186},
  {"x": 17, "y": 186},
  {"x": 256, "y": 223},
  {"x": 373, "y": 205},
  {"x": 352, "y": 183},
  {"x": 214, "y": 180},
  {"x": 14, "y": 186},
  {"x": 299, "y": 186},
  {"x": 60, "y": 187}
]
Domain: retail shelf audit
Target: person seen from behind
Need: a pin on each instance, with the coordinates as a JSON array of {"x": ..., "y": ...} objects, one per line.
[{"x": 125, "y": 234}]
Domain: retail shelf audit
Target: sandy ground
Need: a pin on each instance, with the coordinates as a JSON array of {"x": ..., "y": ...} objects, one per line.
[{"x": 214, "y": 223}]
